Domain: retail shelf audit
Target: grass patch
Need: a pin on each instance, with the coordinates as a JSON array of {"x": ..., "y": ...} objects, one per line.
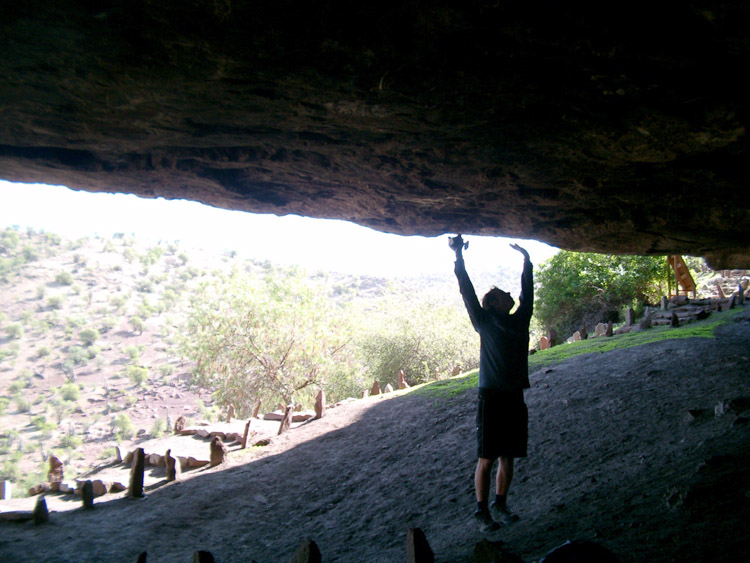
[{"x": 456, "y": 386}]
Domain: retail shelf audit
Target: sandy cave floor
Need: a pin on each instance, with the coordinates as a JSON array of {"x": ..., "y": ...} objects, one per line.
[{"x": 626, "y": 449}]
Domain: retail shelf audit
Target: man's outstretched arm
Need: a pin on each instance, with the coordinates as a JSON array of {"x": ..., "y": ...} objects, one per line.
[
  {"x": 526, "y": 300},
  {"x": 464, "y": 284}
]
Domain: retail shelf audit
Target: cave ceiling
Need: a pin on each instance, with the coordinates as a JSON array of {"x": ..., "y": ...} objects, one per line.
[{"x": 616, "y": 129}]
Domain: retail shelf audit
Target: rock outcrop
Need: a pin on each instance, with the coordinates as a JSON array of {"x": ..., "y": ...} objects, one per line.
[{"x": 613, "y": 129}]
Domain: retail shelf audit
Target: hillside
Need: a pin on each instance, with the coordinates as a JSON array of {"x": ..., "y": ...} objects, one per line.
[
  {"x": 89, "y": 341},
  {"x": 643, "y": 449}
]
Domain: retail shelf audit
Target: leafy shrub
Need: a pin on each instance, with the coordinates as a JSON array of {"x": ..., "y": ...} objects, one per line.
[
  {"x": 77, "y": 355},
  {"x": 166, "y": 370},
  {"x": 132, "y": 352},
  {"x": 89, "y": 335},
  {"x": 14, "y": 331},
  {"x": 55, "y": 301},
  {"x": 158, "y": 428},
  {"x": 70, "y": 441},
  {"x": 137, "y": 324},
  {"x": 70, "y": 392},
  {"x": 40, "y": 291},
  {"x": 3, "y": 405},
  {"x": 137, "y": 374},
  {"x": 124, "y": 428},
  {"x": 22, "y": 403},
  {"x": 64, "y": 278},
  {"x": 43, "y": 351}
]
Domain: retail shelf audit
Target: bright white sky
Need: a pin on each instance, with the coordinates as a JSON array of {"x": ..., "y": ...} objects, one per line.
[{"x": 316, "y": 244}]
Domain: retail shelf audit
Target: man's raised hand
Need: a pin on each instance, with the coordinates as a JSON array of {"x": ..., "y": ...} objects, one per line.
[
  {"x": 521, "y": 250},
  {"x": 457, "y": 244}
]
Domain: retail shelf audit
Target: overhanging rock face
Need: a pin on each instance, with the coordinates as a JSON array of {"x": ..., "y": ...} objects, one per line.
[{"x": 621, "y": 131}]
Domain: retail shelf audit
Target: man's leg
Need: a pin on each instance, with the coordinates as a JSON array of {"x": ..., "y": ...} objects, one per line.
[
  {"x": 499, "y": 510},
  {"x": 482, "y": 479},
  {"x": 504, "y": 476}
]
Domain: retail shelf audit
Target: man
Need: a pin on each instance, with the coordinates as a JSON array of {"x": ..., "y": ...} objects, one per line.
[{"x": 502, "y": 417}]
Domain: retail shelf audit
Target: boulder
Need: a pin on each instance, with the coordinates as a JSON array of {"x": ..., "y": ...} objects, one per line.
[
  {"x": 375, "y": 389},
  {"x": 402, "y": 384},
  {"x": 389, "y": 388}
]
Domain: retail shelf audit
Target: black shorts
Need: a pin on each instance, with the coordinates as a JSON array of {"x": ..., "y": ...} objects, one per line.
[{"x": 502, "y": 424}]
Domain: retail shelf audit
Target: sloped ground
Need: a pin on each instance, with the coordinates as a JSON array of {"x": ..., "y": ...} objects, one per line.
[{"x": 626, "y": 448}]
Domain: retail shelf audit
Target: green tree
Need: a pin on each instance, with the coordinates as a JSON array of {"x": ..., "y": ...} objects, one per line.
[
  {"x": 268, "y": 340},
  {"x": 420, "y": 337},
  {"x": 89, "y": 335},
  {"x": 577, "y": 288}
]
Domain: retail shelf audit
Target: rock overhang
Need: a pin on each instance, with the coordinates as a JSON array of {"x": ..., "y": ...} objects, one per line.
[{"x": 618, "y": 129}]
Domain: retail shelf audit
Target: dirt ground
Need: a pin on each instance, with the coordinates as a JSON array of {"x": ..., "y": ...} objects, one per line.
[{"x": 644, "y": 450}]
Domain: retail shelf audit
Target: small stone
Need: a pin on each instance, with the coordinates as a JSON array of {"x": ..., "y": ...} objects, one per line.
[
  {"x": 307, "y": 552},
  {"x": 389, "y": 388},
  {"x": 457, "y": 370}
]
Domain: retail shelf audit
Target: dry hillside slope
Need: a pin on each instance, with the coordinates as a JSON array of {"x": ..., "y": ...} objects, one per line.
[{"x": 643, "y": 449}]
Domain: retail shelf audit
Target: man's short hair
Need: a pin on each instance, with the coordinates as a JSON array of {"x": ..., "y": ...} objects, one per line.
[{"x": 492, "y": 295}]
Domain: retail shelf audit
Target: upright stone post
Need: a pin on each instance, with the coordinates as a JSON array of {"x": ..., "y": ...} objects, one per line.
[
  {"x": 608, "y": 332},
  {"x": 6, "y": 490},
  {"x": 203, "y": 557},
  {"x": 230, "y": 413},
  {"x": 218, "y": 452},
  {"x": 172, "y": 466},
  {"x": 40, "y": 514},
  {"x": 375, "y": 389},
  {"x": 286, "y": 422},
  {"x": 320, "y": 404},
  {"x": 629, "y": 317},
  {"x": 663, "y": 303},
  {"x": 740, "y": 295},
  {"x": 417, "y": 548},
  {"x": 87, "y": 495},
  {"x": 136, "y": 473},
  {"x": 246, "y": 434}
]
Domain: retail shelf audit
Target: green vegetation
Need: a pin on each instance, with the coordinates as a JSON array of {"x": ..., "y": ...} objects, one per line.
[
  {"x": 458, "y": 385},
  {"x": 578, "y": 288}
]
